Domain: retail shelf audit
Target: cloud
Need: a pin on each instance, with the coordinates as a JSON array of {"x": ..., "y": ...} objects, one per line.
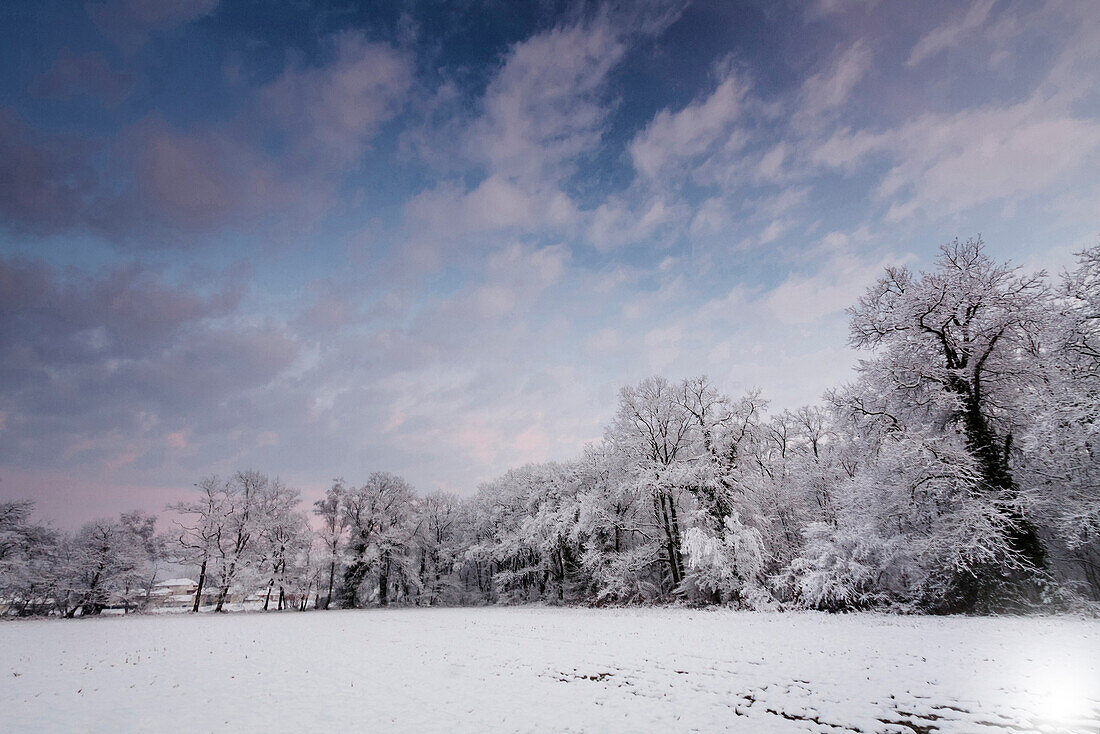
[
  {"x": 770, "y": 167},
  {"x": 49, "y": 181},
  {"x": 509, "y": 282},
  {"x": 98, "y": 367},
  {"x": 830, "y": 89},
  {"x": 130, "y": 23},
  {"x": 69, "y": 500},
  {"x": 662, "y": 346},
  {"x": 332, "y": 111},
  {"x": 207, "y": 179},
  {"x": 950, "y": 33},
  {"x": 1075, "y": 29},
  {"x": 530, "y": 268},
  {"x": 674, "y": 139},
  {"x": 159, "y": 184},
  {"x": 219, "y": 175},
  {"x": 773, "y": 231},
  {"x": 710, "y": 217},
  {"x": 326, "y": 309},
  {"x": 830, "y": 7},
  {"x": 949, "y": 163},
  {"x": 543, "y": 108},
  {"x": 545, "y": 105},
  {"x": 841, "y": 277},
  {"x": 617, "y": 222},
  {"x": 603, "y": 341},
  {"x": 495, "y": 204},
  {"x": 84, "y": 75}
]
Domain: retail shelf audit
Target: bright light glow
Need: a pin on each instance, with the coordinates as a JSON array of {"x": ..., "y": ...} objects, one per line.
[{"x": 1066, "y": 695}]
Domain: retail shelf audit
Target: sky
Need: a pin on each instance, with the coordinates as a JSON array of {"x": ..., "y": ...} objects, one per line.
[{"x": 325, "y": 239}]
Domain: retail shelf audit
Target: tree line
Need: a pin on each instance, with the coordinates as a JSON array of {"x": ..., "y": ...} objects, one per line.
[{"x": 957, "y": 472}]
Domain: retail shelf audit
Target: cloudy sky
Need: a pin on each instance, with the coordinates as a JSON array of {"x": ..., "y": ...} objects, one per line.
[{"x": 435, "y": 238}]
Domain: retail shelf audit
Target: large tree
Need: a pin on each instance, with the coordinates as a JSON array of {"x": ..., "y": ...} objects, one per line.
[
  {"x": 381, "y": 535},
  {"x": 954, "y": 348}
]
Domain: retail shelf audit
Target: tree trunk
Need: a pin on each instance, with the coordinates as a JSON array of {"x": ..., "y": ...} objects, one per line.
[
  {"x": 996, "y": 475},
  {"x": 384, "y": 583},
  {"x": 995, "y": 586},
  {"x": 561, "y": 579},
  {"x": 149, "y": 591},
  {"x": 353, "y": 577},
  {"x": 222, "y": 594},
  {"x": 676, "y": 536},
  {"x": 198, "y": 590},
  {"x": 225, "y": 586},
  {"x": 331, "y": 581},
  {"x": 665, "y": 509}
]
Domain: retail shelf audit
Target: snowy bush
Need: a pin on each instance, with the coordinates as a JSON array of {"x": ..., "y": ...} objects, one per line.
[
  {"x": 850, "y": 569},
  {"x": 728, "y": 565}
]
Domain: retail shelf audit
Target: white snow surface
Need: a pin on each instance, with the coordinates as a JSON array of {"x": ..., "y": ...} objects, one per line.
[{"x": 538, "y": 669}]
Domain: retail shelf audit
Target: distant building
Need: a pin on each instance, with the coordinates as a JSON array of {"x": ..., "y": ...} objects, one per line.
[{"x": 174, "y": 593}]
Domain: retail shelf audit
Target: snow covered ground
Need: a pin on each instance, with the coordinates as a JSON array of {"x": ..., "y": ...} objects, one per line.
[{"x": 550, "y": 670}]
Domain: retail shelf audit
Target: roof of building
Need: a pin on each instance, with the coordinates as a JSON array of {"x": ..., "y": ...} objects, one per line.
[{"x": 178, "y": 582}]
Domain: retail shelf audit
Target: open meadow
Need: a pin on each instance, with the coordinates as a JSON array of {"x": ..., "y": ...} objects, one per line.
[{"x": 543, "y": 669}]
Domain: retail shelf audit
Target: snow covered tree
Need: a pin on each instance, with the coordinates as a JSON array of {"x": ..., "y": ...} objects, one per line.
[
  {"x": 240, "y": 503},
  {"x": 382, "y": 527},
  {"x": 728, "y": 563},
  {"x": 27, "y": 559},
  {"x": 509, "y": 565},
  {"x": 621, "y": 559},
  {"x": 655, "y": 430},
  {"x": 954, "y": 349},
  {"x": 957, "y": 472},
  {"x": 102, "y": 564},
  {"x": 150, "y": 549},
  {"x": 333, "y": 531},
  {"x": 438, "y": 546},
  {"x": 283, "y": 536},
  {"x": 1061, "y": 467},
  {"x": 199, "y": 530}
]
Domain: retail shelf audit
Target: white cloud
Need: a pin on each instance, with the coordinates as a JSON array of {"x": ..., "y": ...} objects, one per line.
[
  {"x": 837, "y": 283},
  {"x": 711, "y": 217},
  {"x": 950, "y": 33},
  {"x": 775, "y": 229},
  {"x": 337, "y": 108},
  {"x": 830, "y": 7},
  {"x": 949, "y": 163},
  {"x": 616, "y": 222},
  {"x": 829, "y": 89},
  {"x": 771, "y": 164},
  {"x": 672, "y": 139},
  {"x": 546, "y": 105}
]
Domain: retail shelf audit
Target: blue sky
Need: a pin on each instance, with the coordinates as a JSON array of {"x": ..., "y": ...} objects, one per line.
[{"x": 435, "y": 239}]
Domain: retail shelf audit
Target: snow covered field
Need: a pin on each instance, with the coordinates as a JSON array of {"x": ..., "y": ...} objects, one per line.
[{"x": 550, "y": 670}]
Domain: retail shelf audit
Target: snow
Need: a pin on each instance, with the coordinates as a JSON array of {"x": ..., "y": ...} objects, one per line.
[{"x": 538, "y": 669}]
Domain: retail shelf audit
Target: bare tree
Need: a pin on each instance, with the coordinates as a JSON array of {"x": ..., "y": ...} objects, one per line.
[
  {"x": 199, "y": 534},
  {"x": 334, "y": 524}
]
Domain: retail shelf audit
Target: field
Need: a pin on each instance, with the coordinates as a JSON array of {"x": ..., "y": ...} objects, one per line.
[{"x": 550, "y": 670}]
